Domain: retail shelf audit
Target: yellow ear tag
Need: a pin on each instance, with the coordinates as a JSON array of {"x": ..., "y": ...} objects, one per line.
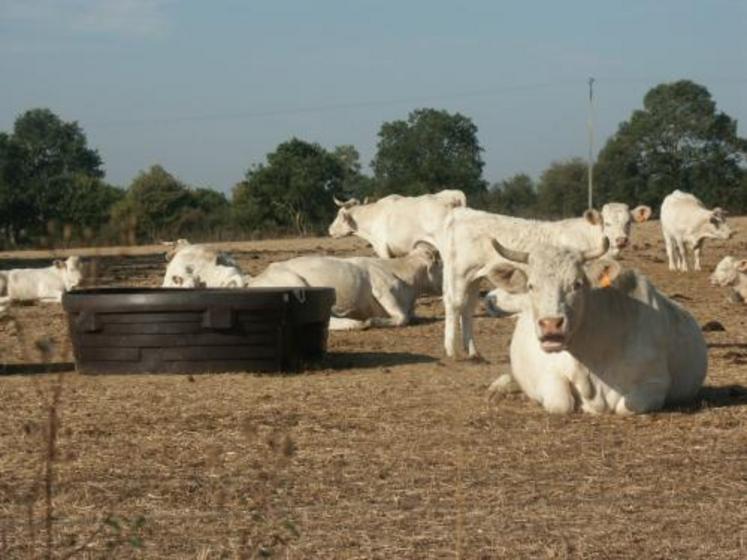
[{"x": 605, "y": 281}]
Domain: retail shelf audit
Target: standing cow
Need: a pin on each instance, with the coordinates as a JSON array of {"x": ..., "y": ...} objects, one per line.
[
  {"x": 686, "y": 223},
  {"x": 395, "y": 223},
  {"x": 588, "y": 336}
]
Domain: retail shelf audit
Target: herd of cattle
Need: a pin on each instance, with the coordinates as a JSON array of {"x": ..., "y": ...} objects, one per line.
[{"x": 589, "y": 335}]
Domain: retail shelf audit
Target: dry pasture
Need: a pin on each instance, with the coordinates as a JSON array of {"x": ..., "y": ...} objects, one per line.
[{"x": 386, "y": 450}]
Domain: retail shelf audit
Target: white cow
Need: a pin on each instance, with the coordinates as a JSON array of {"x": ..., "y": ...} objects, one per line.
[
  {"x": 617, "y": 219},
  {"x": 201, "y": 266},
  {"x": 733, "y": 273},
  {"x": 624, "y": 348},
  {"x": 395, "y": 223},
  {"x": 468, "y": 256},
  {"x": 686, "y": 224},
  {"x": 43, "y": 284},
  {"x": 369, "y": 291}
]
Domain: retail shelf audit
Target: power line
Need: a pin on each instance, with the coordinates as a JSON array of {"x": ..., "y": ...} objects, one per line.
[{"x": 329, "y": 107}]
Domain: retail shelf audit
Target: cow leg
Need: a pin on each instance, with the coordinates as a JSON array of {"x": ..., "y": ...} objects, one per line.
[
  {"x": 504, "y": 385},
  {"x": 682, "y": 250},
  {"x": 669, "y": 243},
  {"x": 467, "y": 319},
  {"x": 696, "y": 255},
  {"x": 345, "y": 324},
  {"x": 556, "y": 395},
  {"x": 452, "y": 298},
  {"x": 397, "y": 317}
]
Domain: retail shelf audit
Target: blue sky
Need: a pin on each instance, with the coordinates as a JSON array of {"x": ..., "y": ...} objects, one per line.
[{"x": 207, "y": 89}]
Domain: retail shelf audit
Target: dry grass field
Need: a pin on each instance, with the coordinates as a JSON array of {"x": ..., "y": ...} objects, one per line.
[{"x": 386, "y": 450}]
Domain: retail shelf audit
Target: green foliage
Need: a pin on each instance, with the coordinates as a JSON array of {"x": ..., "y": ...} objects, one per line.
[
  {"x": 515, "y": 196},
  {"x": 677, "y": 141},
  {"x": 430, "y": 151},
  {"x": 562, "y": 189},
  {"x": 158, "y": 205},
  {"x": 293, "y": 191}
]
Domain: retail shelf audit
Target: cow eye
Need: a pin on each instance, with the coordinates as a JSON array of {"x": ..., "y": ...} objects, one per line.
[
  {"x": 530, "y": 287},
  {"x": 577, "y": 285}
]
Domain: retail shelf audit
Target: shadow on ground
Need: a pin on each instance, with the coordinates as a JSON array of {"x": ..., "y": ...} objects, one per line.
[
  {"x": 22, "y": 369},
  {"x": 349, "y": 360}
]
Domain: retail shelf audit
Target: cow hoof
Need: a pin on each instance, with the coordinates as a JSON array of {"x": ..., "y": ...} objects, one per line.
[{"x": 504, "y": 385}]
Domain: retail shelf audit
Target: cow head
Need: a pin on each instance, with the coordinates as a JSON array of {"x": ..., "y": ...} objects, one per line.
[
  {"x": 434, "y": 270},
  {"x": 727, "y": 271},
  {"x": 344, "y": 224},
  {"x": 187, "y": 279},
  {"x": 557, "y": 282},
  {"x": 617, "y": 219},
  {"x": 715, "y": 226},
  {"x": 71, "y": 272}
]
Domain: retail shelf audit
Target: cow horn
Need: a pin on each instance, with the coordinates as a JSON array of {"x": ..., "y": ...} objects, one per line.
[
  {"x": 596, "y": 253},
  {"x": 347, "y": 203},
  {"x": 509, "y": 254}
]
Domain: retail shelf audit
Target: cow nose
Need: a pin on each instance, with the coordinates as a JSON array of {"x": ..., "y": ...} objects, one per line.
[
  {"x": 551, "y": 325},
  {"x": 621, "y": 242}
]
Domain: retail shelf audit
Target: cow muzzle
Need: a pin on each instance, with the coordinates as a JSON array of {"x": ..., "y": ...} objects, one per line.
[
  {"x": 553, "y": 333},
  {"x": 621, "y": 242}
]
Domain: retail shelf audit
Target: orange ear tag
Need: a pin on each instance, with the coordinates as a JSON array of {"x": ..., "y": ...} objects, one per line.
[{"x": 605, "y": 281}]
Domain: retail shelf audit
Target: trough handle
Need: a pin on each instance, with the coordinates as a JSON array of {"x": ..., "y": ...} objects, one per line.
[
  {"x": 218, "y": 318},
  {"x": 88, "y": 321}
]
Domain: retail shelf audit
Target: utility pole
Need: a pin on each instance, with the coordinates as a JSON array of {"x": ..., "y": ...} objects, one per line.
[{"x": 591, "y": 141}]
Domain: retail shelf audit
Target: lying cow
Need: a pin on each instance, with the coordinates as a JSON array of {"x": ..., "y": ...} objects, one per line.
[
  {"x": 369, "y": 291},
  {"x": 43, "y": 284},
  {"x": 201, "y": 266},
  {"x": 395, "y": 223},
  {"x": 592, "y": 338},
  {"x": 732, "y": 272},
  {"x": 686, "y": 224}
]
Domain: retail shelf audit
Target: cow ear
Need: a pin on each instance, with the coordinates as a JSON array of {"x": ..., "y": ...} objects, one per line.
[
  {"x": 349, "y": 219},
  {"x": 59, "y": 264},
  {"x": 640, "y": 213},
  {"x": 592, "y": 216},
  {"x": 742, "y": 265},
  {"x": 178, "y": 280},
  {"x": 508, "y": 278},
  {"x": 602, "y": 272}
]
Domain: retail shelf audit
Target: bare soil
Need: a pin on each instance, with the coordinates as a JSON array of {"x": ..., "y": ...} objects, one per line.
[{"x": 385, "y": 450}]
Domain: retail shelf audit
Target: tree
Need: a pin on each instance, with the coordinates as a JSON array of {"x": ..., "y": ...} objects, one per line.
[
  {"x": 561, "y": 192},
  {"x": 430, "y": 151},
  {"x": 293, "y": 190},
  {"x": 354, "y": 182},
  {"x": 515, "y": 196},
  {"x": 677, "y": 141},
  {"x": 153, "y": 205},
  {"x": 43, "y": 164}
]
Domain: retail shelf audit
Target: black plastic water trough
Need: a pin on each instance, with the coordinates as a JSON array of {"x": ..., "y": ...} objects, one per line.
[{"x": 162, "y": 330}]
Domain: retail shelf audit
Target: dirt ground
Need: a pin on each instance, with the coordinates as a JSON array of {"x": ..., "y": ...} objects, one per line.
[{"x": 386, "y": 450}]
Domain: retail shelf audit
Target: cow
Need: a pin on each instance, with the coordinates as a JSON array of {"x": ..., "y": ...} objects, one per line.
[
  {"x": 370, "y": 291},
  {"x": 393, "y": 224},
  {"x": 685, "y": 224},
  {"x": 44, "y": 284},
  {"x": 593, "y": 338},
  {"x": 732, "y": 272},
  {"x": 201, "y": 266},
  {"x": 617, "y": 219},
  {"x": 468, "y": 257}
]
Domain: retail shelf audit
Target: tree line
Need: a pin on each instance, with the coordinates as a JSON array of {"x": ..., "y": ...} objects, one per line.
[{"x": 52, "y": 183}]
